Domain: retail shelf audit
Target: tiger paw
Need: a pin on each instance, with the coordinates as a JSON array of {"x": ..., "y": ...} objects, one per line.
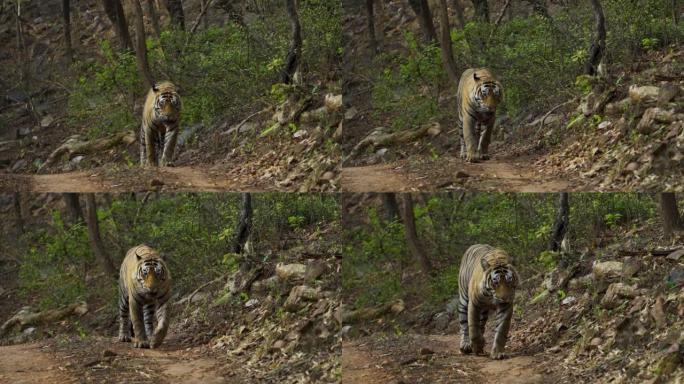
[
  {"x": 141, "y": 344},
  {"x": 124, "y": 339},
  {"x": 472, "y": 158},
  {"x": 485, "y": 157},
  {"x": 498, "y": 355},
  {"x": 466, "y": 348},
  {"x": 155, "y": 343}
]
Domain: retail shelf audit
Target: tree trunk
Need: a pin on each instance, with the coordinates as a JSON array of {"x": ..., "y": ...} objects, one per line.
[
  {"x": 94, "y": 235},
  {"x": 66, "y": 20},
  {"x": 481, "y": 10},
  {"x": 115, "y": 13},
  {"x": 18, "y": 216},
  {"x": 412, "y": 240},
  {"x": 391, "y": 207},
  {"x": 560, "y": 227},
  {"x": 445, "y": 42},
  {"x": 669, "y": 213},
  {"x": 154, "y": 17},
  {"x": 140, "y": 46},
  {"x": 294, "y": 53},
  {"x": 244, "y": 224},
  {"x": 74, "y": 211},
  {"x": 598, "y": 46},
  {"x": 370, "y": 18},
  {"x": 175, "y": 8},
  {"x": 459, "y": 13},
  {"x": 422, "y": 11}
]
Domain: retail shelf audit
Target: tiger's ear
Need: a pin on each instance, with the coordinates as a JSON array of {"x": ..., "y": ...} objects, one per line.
[
  {"x": 484, "y": 263},
  {"x": 155, "y": 87},
  {"x": 475, "y": 76}
]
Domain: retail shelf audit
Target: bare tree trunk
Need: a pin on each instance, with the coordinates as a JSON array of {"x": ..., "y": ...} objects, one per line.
[
  {"x": 560, "y": 226},
  {"x": 74, "y": 211},
  {"x": 391, "y": 207},
  {"x": 154, "y": 17},
  {"x": 675, "y": 12},
  {"x": 294, "y": 53},
  {"x": 25, "y": 64},
  {"x": 669, "y": 213},
  {"x": 94, "y": 235},
  {"x": 370, "y": 18},
  {"x": 115, "y": 13},
  {"x": 598, "y": 46},
  {"x": 459, "y": 13},
  {"x": 445, "y": 42},
  {"x": 140, "y": 46},
  {"x": 66, "y": 21},
  {"x": 481, "y": 10},
  {"x": 244, "y": 224},
  {"x": 412, "y": 240},
  {"x": 422, "y": 10},
  {"x": 175, "y": 8},
  {"x": 18, "y": 216}
]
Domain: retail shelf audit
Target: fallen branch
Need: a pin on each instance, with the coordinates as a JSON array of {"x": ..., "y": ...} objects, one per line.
[
  {"x": 366, "y": 314},
  {"x": 75, "y": 145},
  {"x": 189, "y": 297},
  {"x": 379, "y": 137},
  {"x": 554, "y": 109},
  {"x": 45, "y": 317}
]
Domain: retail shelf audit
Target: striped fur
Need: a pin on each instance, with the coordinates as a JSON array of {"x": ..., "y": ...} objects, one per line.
[
  {"x": 478, "y": 96},
  {"x": 159, "y": 129},
  {"x": 487, "y": 281},
  {"x": 144, "y": 289}
]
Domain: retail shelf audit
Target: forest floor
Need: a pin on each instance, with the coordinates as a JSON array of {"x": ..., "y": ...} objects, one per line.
[{"x": 413, "y": 358}]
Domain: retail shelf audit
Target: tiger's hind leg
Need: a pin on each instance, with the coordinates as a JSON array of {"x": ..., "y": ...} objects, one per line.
[
  {"x": 150, "y": 147},
  {"x": 124, "y": 319},
  {"x": 474, "y": 330},
  {"x": 484, "y": 315},
  {"x": 142, "y": 145},
  {"x": 471, "y": 139},
  {"x": 462, "y": 308},
  {"x": 162, "y": 325},
  {"x": 169, "y": 146},
  {"x": 504, "y": 314},
  {"x": 148, "y": 319}
]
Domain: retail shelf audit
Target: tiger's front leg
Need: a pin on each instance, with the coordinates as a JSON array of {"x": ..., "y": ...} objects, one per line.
[
  {"x": 124, "y": 320},
  {"x": 466, "y": 347},
  {"x": 162, "y": 326},
  {"x": 485, "y": 139},
  {"x": 504, "y": 314},
  {"x": 169, "y": 147},
  {"x": 136, "y": 312},
  {"x": 476, "y": 338},
  {"x": 471, "y": 141}
]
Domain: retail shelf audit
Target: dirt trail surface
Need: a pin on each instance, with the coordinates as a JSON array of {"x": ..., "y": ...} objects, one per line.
[
  {"x": 127, "y": 180},
  {"x": 101, "y": 360},
  {"x": 509, "y": 174},
  {"x": 433, "y": 359}
]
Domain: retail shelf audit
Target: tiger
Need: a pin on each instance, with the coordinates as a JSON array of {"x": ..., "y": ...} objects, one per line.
[
  {"x": 159, "y": 128},
  {"x": 479, "y": 94},
  {"x": 144, "y": 289},
  {"x": 487, "y": 281}
]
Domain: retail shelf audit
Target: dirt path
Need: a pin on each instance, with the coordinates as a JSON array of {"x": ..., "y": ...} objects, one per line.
[
  {"x": 127, "y": 180},
  {"x": 100, "y": 360},
  {"x": 432, "y": 359},
  {"x": 499, "y": 174}
]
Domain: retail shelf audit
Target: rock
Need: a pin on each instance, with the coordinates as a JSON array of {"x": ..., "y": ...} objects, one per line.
[
  {"x": 24, "y": 131},
  {"x": 350, "y": 113},
  {"x": 265, "y": 284},
  {"x": 607, "y": 270},
  {"x": 440, "y": 321},
  {"x": 19, "y": 165},
  {"x": 315, "y": 269},
  {"x": 631, "y": 265},
  {"x": 631, "y": 167},
  {"x": 595, "y": 342},
  {"x": 676, "y": 254},
  {"x": 289, "y": 272},
  {"x": 452, "y": 306},
  {"x": 616, "y": 292},
  {"x": 300, "y": 134},
  {"x": 29, "y": 331},
  {"x": 333, "y": 102},
  {"x": 298, "y": 295},
  {"x": 580, "y": 282},
  {"x": 346, "y": 330},
  {"x": 278, "y": 345},
  {"x": 646, "y": 124},
  {"x": 46, "y": 121},
  {"x": 77, "y": 159},
  {"x": 671, "y": 360},
  {"x": 554, "y": 349},
  {"x": 604, "y": 124},
  {"x": 434, "y": 130},
  {"x": 381, "y": 152},
  {"x": 658, "y": 312},
  {"x": 327, "y": 176},
  {"x": 644, "y": 93},
  {"x": 568, "y": 300},
  {"x": 676, "y": 277},
  {"x": 667, "y": 92},
  {"x": 251, "y": 303}
]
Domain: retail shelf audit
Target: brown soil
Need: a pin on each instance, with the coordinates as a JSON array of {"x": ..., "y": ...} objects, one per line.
[
  {"x": 433, "y": 359},
  {"x": 502, "y": 173}
]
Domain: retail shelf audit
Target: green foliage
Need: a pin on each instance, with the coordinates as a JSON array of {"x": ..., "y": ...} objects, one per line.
[
  {"x": 548, "y": 259},
  {"x": 223, "y": 71}
]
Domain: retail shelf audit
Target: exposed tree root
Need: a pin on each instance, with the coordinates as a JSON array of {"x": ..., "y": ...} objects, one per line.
[
  {"x": 380, "y": 137},
  {"x": 76, "y": 145},
  {"x": 365, "y": 314},
  {"x": 45, "y": 317}
]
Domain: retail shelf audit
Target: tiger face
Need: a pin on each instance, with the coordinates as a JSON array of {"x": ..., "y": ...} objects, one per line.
[
  {"x": 487, "y": 96},
  {"x": 167, "y": 103},
  {"x": 500, "y": 279},
  {"x": 150, "y": 274}
]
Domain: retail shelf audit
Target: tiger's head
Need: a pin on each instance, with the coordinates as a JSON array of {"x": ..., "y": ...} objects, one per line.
[
  {"x": 487, "y": 94},
  {"x": 151, "y": 273},
  {"x": 501, "y": 279},
  {"x": 167, "y": 102}
]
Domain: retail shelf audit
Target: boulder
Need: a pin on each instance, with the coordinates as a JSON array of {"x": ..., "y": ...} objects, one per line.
[{"x": 616, "y": 292}]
